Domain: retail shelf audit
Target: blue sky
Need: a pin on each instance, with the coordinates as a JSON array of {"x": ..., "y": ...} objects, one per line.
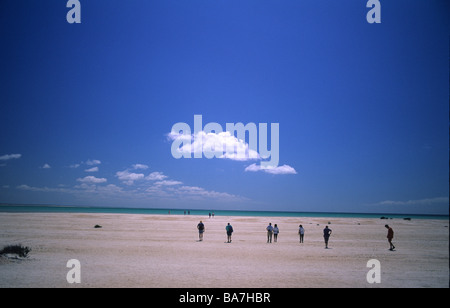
[{"x": 86, "y": 109}]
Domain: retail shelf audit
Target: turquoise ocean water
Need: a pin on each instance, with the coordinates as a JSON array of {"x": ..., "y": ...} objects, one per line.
[{"x": 6, "y": 208}]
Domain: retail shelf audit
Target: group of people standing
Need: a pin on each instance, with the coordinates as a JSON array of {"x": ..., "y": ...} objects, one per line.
[{"x": 273, "y": 231}]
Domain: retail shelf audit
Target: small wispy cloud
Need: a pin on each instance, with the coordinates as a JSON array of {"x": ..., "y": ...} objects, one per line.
[
  {"x": 194, "y": 192},
  {"x": 168, "y": 183},
  {"x": 7, "y": 157},
  {"x": 46, "y": 166},
  {"x": 91, "y": 180},
  {"x": 427, "y": 201},
  {"x": 129, "y": 177},
  {"x": 10, "y": 156},
  {"x": 156, "y": 176},
  {"x": 93, "y": 169},
  {"x": 285, "y": 169},
  {"x": 89, "y": 162},
  {"x": 139, "y": 166},
  {"x": 43, "y": 189},
  {"x": 93, "y": 162}
]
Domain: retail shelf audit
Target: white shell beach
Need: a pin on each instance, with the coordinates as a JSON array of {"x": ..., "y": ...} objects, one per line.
[{"x": 135, "y": 250}]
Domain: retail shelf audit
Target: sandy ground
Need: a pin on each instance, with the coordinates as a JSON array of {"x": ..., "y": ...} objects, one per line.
[{"x": 163, "y": 251}]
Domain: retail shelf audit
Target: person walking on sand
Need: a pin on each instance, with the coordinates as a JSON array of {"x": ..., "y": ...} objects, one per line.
[
  {"x": 269, "y": 232},
  {"x": 229, "y": 230},
  {"x": 275, "y": 232},
  {"x": 201, "y": 230},
  {"x": 301, "y": 232},
  {"x": 326, "y": 235},
  {"x": 390, "y": 236}
]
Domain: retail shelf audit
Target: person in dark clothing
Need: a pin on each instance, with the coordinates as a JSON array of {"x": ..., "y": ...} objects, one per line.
[
  {"x": 390, "y": 236},
  {"x": 326, "y": 235},
  {"x": 229, "y": 230},
  {"x": 201, "y": 230}
]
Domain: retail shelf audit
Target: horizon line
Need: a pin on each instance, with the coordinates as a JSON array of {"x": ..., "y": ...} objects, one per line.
[{"x": 212, "y": 210}]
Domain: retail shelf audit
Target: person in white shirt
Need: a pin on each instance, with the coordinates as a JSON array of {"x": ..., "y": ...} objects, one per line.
[{"x": 275, "y": 232}]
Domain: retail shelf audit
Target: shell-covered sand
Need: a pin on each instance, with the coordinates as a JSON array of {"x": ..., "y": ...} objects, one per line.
[{"x": 163, "y": 251}]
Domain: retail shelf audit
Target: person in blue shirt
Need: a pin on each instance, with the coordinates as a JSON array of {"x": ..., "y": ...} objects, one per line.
[{"x": 269, "y": 232}]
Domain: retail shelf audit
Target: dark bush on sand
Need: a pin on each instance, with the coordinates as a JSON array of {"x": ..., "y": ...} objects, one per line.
[{"x": 19, "y": 250}]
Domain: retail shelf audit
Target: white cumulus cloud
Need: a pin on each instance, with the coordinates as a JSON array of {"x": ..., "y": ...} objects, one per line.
[
  {"x": 128, "y": 177},
  {"x": 156, "y": 176},
  {"x": 221, "y": 145}
]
